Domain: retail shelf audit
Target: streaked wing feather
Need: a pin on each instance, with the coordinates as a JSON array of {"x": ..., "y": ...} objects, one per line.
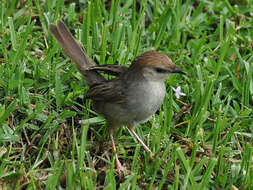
[
  {"x": 108, "y": 91},
  {"x": 109, "y": 69}
]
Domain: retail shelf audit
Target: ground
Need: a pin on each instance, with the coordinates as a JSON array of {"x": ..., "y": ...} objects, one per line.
[{"x": 51, "y": 139}]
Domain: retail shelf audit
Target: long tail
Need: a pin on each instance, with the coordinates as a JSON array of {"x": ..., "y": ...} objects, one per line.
[{"x": 75, "y": 51}]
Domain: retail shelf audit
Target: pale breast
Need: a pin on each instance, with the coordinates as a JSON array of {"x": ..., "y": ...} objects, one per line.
[
  {"x": 146, "y": 101},
  {"x": 138, "y": 106}
]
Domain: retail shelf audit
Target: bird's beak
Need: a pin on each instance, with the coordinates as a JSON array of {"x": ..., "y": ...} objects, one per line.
[{"x": 180, "y": 71}]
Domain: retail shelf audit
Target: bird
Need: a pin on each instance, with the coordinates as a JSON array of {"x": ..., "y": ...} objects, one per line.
[{"x": 131, "y": 97}]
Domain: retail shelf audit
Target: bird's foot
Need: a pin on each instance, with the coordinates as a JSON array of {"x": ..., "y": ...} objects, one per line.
[
  {"x": 152, "y": 156},
  {"x": 119, "y": 167}
]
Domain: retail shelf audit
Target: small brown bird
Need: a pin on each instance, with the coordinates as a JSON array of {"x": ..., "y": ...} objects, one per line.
[{"x": 132, "y": 97}]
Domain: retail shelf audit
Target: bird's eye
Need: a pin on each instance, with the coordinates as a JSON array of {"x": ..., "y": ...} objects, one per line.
[{"x": 160, "y": 70}]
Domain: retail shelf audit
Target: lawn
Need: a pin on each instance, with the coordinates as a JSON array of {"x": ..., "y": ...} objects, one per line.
[{"x": 51, "y": 139}]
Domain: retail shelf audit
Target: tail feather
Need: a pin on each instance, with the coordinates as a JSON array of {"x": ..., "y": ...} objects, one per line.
[{"x": 75, "y": 51}]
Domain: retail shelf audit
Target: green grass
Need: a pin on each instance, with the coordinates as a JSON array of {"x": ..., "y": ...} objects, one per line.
[{"x": 51, "y": 139}]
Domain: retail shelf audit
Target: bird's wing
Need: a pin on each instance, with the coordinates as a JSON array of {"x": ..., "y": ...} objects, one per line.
[
  {"x": 115, "y": 70},
  {"x": 108, "y": 91}
]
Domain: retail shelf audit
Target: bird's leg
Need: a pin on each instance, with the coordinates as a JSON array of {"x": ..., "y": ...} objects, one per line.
[
  {"x": 131, "y": 128},
  {"x": 119, "y": 167}
]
